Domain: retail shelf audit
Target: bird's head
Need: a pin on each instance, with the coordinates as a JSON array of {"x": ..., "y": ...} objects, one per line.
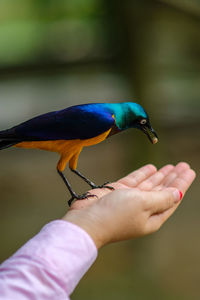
[
  {"x": 136, "y": 117},
  {"x": 144, "y": 125}
]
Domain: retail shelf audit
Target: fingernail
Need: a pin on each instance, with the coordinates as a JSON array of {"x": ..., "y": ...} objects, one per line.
[
  {"x": 178, "y": 195},
  {"x": 181, "y": 195}
]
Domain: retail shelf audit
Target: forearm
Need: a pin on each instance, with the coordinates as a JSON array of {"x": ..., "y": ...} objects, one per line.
[{"x": 50, "y": 265}]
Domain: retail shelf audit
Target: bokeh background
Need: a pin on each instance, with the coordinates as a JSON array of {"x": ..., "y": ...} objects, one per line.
[{"x": 58, "y": 53}]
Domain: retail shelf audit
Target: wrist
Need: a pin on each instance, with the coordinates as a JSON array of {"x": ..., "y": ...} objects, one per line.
[{"x": 88, "y": 223}]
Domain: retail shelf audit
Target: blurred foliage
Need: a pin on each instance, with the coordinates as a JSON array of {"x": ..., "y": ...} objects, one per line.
[
  {"x": 59, "y": 53},
  {"x": 34, "y": 31}
]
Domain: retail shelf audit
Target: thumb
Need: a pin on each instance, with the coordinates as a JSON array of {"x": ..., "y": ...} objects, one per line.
[{"x": 161, "y": 201}]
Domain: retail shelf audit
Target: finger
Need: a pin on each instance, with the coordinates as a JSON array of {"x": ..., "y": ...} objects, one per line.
[
  {"x": 136, "y": 177},
  {"x": 179, "y": 168},
  {"x": 157, "y": 220},
  {"x": 155, "y": 179},
  {"x": 160, "y": 201},
  {"x": 183, "y": 180},
  {"x": 182, "y": 183}
]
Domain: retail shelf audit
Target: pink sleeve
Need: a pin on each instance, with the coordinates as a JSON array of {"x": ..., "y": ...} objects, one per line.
[{"x": 50, "y": 265}]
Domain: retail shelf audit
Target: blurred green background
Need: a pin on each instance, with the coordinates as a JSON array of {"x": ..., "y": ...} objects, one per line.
[{"x": 58, "y": 53}]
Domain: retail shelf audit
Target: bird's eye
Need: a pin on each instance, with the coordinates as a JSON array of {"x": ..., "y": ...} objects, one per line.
[{"x": 143, "y": 121}]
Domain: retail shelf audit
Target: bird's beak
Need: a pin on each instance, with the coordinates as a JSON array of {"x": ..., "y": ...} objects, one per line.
[{"x": 151, "y": 134}]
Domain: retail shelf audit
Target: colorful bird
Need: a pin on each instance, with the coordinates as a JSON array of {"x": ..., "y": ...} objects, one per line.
[{"x": 67, "y": 131}]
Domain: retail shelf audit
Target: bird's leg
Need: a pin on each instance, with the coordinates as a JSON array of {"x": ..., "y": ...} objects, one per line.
[
  {"x": 92, "y": 184},
  {"x": 74, "y": 196}
]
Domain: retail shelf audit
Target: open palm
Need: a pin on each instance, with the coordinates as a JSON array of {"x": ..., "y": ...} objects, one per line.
[
  {"x": 147, "y": 178},
  {"x": 140, "y": 204}
]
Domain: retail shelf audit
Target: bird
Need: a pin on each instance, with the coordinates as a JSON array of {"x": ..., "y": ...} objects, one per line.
[{"x": 69, "y": 130}]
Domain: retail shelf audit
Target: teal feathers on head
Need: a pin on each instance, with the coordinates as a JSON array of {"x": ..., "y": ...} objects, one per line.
[
  {"x": 136, "y": 110},
  {"x": 127, "y": 113},
  {"x": 132, "y": 115}
]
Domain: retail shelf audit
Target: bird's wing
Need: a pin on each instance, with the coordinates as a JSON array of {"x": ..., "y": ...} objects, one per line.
[{"x": 76, "y": 122}]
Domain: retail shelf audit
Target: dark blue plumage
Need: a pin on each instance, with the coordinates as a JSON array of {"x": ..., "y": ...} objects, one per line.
[{"x": 77, "y": 122}]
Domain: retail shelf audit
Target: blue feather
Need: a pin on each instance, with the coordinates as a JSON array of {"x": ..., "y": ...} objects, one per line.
[{"x": 77, "y": 122}]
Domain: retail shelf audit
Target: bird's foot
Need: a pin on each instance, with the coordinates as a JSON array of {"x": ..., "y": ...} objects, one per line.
[
  {"x": 80, "y": 197},
  {"x": 104, "y": 185}
]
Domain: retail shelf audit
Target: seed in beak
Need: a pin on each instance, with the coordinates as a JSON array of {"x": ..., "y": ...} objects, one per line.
[{"x": 154, "y": 140}]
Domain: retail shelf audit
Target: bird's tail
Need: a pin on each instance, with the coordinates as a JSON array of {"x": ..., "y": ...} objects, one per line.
[{"x": 6, "y": 139}]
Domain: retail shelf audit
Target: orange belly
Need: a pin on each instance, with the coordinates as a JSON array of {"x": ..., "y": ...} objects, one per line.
[{"x": 68, "y": 149}]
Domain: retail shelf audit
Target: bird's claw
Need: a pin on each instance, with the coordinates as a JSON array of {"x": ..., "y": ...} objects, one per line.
[
  {"x": 80, "y": 197},
  {"x": 88, "y": 194},
  {"x": 104, "y": 185}
]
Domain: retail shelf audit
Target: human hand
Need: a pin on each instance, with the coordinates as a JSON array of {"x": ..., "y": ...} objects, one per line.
[{"x": 140, "y": 204}]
